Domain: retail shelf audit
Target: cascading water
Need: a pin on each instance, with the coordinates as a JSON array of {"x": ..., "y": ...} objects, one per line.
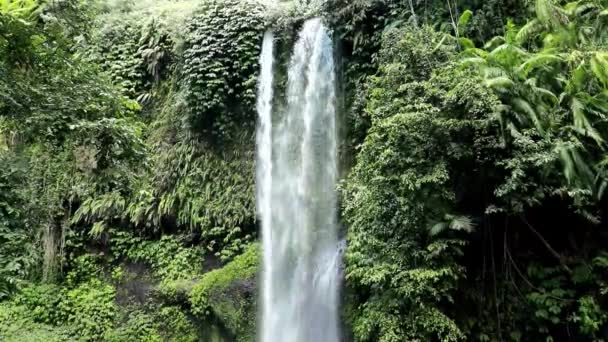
[{"x": 297, "y": 175}]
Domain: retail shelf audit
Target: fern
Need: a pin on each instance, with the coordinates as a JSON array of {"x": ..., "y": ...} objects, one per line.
[
  {"x": 599, "y": 66},
  {"x": 24, "y": 9},
  {"x": 453, "y": 222},
  {"x": 549, "y": 14},
  {"x": 541, "y": 60},
  {"x": 528, "y": 31}
]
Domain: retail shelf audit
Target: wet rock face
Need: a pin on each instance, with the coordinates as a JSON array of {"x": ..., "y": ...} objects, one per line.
[{"x": 136, "y": 286}]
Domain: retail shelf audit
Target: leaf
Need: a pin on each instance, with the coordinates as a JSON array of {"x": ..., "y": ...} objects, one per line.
[
  {"x": 494, "y": 42},
  {"x": 582, "y": 122},
  {"x": 463, "y": 223},
  {"x": 98, "y": 228},
  {"x": 438, "y": 228},
  {"x": 499, "y": 82},
  {"x": 473, "y": 61},
  {"x": 532, "y": 27},
  {"x": 463, "y": 21},
  {"x": 599, "y": 66},
  {"x": 525, "y": 107},
  {"x": 549, "y": 15},
  {"x": 538, "y": 61},
  {"x": 466, "y": 43}
]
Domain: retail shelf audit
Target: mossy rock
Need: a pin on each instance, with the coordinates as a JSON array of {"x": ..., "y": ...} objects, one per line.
[{"x": 228, "y": 295}]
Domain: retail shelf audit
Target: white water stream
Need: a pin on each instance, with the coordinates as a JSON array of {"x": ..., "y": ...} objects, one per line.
[{"x": 296, "y": 199}]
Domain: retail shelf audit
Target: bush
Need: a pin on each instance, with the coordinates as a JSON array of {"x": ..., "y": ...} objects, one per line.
[
  {"x": 16, "y": 325},
  {"x": 90, "y": 310}
]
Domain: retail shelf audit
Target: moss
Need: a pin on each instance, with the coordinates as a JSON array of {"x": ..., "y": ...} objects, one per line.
[
  {"x": 175, "y": 291},
  {"x": 228, "y": 295}
]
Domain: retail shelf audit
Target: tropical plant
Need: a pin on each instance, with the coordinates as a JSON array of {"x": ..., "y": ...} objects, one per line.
[{"x": 553, "y": 89}]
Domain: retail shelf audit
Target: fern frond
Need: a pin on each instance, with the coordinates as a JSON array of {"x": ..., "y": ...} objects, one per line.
[
  {"x": 500, "y": 82},
  {"x": 508, "y": 55},
  {"x": 475, "y": 52},
  {"x": 463, "y": 21},
  {"x": 549, "y": 14},
  {"x": 438, "y": 228},
  {"x": 541, "y": 92},
  {"x": 525, "y": 107},
  {"x": 476, "y": 61},
  {"x": 98, "y": 228},
  {"x": 531, "y": 29},
  {"x": 582, "y": 123},
  {"x": 462, "y": 223},
  {"x": 458, "y": 223},
  {"x": 491, "y": 72},
  {"x": 466, "y": 43},
  {"x": 494, "y": 42},
  {"x": 538, "y": 61},
  {"x": 599, "y": 66}
]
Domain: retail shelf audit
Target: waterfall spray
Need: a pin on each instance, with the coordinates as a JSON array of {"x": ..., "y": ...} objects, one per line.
[{"x": 297, "y": 175}]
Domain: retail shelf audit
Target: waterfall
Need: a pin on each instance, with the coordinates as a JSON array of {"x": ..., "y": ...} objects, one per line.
[
  {"x": 264, "y": 156},
  {"x": 296, "y": 199}
]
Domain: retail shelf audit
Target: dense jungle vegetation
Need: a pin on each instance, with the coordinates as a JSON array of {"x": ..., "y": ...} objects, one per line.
[{"x": 474, "y": 152}]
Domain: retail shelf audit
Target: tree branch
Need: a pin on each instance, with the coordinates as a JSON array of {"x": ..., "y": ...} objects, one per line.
[{"x": 547, "y": 245}]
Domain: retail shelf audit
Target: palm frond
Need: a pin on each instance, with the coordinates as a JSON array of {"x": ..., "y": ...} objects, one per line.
[
  {"x": 494, "y": 42},
  {"x": 466, "y": 43}
]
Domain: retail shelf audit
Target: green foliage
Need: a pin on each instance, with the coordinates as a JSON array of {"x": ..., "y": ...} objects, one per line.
[
  {"x": 83, "y": 269},
  {"x": 90, "y": 309},
  {"x": 478, "y": 159},
  {"x": 43, "y": 303},
  {"x": 136, "y": 54},
  {"x": 17, "y": 258},
  {"x": 220, "y": 66},
  {"x": 427, "y": 119},
  {"x": 20, "y": 8},
  {"x": 213, "y": 194},
  {"x": 88, "y": 313},
  {"x": 590, "y": 317},
  {"x": 168, "y": 258},
  {"x": 16, "y": 326},
  {"x": 228, "y": 294},
  {"x": 139, "y": 326},
  {"x": 176, "y": 326},
  {"x": 165, "y": 324},
  {"x": 553, "y": 100},
  {"x": 87, "y": 310}
]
